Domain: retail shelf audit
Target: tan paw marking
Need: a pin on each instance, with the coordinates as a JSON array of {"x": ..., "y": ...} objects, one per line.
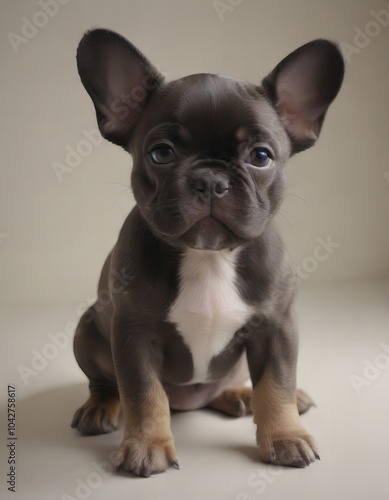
[
  {"x": 145, "y": 458},
  {"x": 235, "y": 402},
  {"x": 294, "y": 450}
]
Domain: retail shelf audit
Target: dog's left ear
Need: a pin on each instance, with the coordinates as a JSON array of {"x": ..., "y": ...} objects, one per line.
[
  {"x": 301, "y": 88},
  {"x": 119, "y": 80}
]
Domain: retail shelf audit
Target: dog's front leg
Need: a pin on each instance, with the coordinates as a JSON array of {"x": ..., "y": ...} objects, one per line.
[
  {"x": 147, "y": 446},
  {"x": 272, "y": 357}
]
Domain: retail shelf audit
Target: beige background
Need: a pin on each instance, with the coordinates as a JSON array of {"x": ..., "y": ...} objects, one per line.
[{"x": 54, "y": 235}]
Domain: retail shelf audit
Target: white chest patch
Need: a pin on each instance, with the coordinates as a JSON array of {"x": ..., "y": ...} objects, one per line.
[{"x": 208, "y": 309}]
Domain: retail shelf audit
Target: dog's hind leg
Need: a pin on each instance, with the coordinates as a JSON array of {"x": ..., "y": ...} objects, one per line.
[
  {"x": 304, "y": 401},
  {"x": 236, "y": 401},
  {"x": 100, "y": 413}
]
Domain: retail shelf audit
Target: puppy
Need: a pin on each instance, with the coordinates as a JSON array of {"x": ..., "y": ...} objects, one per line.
[{"x": 196, "y": 296}]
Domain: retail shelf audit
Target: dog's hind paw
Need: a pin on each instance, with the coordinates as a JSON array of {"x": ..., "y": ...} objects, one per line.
[
  {"x": 97, "y": 417},
  {"x": 304, "y": 401},
  {"x": 235, "y": 401}
]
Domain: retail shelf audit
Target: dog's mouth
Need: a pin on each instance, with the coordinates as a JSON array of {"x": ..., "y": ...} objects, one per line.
[
  {"x": 210, "y": 224},
  {"x": 208, "y": 230},
  {"x": 208, "y": 233}
]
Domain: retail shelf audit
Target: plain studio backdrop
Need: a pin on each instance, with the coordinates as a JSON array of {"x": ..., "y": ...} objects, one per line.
[
  {"x": 59, "y": 229},
  {"x": 65, "y": 194}
]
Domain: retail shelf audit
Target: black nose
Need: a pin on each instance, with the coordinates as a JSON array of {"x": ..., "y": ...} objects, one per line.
[{"x": 207, "y": 183}]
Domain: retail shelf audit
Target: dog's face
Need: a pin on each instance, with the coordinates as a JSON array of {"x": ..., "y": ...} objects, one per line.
[
  {"x": 208, "y": 150},
  {"x": 208, "y": 156}
]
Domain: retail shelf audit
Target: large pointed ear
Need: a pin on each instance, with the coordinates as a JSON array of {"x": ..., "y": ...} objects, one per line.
[
  {"x": 118, "y": 78},
  {"x": 302, "y": 86}
]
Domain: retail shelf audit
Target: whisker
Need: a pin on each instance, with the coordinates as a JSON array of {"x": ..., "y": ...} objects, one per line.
[
  {"x": 118, "y": 184},
  {"x": 298, "y": 197},
  {"x": 124, "y": 191},
  {"x": 285, "y": 214}
]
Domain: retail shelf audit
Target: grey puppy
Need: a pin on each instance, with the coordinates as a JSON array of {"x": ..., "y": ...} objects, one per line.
[{"x": 196, "y": 296}]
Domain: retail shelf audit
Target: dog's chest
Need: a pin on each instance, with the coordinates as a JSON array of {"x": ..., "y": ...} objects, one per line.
[{"x": 208, "y": 309}]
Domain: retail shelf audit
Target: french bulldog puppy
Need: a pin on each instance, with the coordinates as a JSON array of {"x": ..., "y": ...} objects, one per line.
[{"x": 196, "y": 296}]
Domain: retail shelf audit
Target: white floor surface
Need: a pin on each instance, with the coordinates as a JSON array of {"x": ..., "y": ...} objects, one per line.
[{"x": 343, "y": 331}]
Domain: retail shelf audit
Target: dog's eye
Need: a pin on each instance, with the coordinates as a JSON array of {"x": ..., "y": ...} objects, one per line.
[
  {"x": 260, "y": 157},
  {"x": 162, "y": 154}
]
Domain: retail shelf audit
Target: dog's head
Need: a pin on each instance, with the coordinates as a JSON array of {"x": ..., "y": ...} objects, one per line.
[{"x": 208, "y": 150}]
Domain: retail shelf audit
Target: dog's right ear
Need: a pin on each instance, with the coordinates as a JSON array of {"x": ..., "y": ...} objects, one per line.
[
  {"x": 118, "y": 78},
  {"x": 301, "y": 88}
]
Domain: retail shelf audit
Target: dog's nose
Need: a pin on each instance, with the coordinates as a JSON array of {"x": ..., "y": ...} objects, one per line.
[{"x": 207, "y": 183}]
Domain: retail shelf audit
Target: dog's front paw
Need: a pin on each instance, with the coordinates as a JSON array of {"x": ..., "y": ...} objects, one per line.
[
  {"x": 292, "y": 449},
  {"x": 147, "y": 457}
]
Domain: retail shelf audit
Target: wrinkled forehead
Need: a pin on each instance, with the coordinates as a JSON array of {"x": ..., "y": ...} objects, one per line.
[{"x": 213, "y": 113}]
